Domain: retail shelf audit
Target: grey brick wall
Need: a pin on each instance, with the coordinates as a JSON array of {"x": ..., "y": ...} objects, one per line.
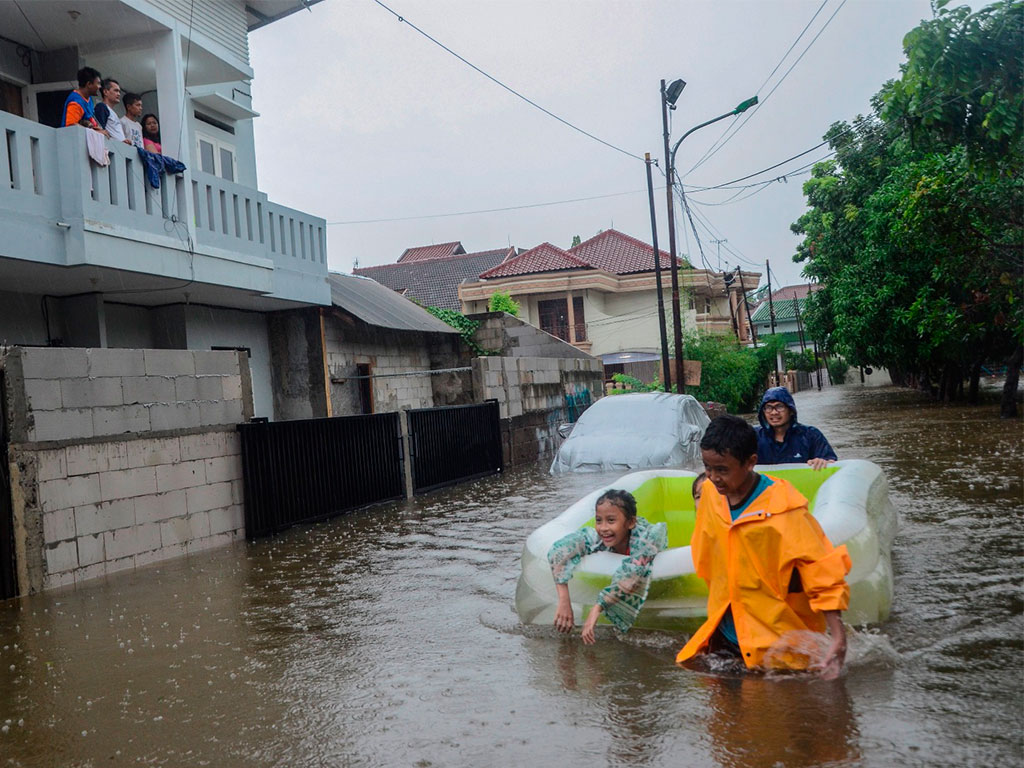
[
  {"x": 120, "y": 458},
  {"x": 69, "y": 393}
]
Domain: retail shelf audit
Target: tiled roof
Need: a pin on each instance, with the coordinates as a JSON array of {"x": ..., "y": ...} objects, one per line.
[
  {"x": 435, "y": 282},
  {"x": 544, "y": 258},
  {"x": 438, "y": 251},
  {"x": 616, "y": 252}
]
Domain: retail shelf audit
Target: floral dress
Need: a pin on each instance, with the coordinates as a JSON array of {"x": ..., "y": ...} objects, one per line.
[{"x": 622, "y": 600}]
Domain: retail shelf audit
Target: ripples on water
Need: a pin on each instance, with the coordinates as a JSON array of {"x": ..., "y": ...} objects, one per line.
[{"x": 388, "y": 638}]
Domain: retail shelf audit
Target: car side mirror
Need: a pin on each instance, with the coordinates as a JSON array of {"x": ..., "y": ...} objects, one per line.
[{"x": 565, "y": 429}]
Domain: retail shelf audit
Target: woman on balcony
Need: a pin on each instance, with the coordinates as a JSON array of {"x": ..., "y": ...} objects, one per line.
[{"x": 151, "y": 134}]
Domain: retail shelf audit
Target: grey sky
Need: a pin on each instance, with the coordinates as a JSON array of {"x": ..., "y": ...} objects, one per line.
[{"x": 363, "y": 118}]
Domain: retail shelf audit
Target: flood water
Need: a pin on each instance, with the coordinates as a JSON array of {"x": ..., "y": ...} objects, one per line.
[{"x": 388, "y": 638}]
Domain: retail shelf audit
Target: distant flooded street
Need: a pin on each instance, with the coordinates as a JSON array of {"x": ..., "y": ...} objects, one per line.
[{"x": 388, "y": 638}]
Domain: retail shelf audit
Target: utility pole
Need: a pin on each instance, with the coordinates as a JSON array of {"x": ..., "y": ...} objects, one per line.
[
  {"x": 799, "y": 324},
  {"x": 817, "y": 365},
  {"x": 746, "y": 303},
  {"x": 677, "y": 326},
  {"x": 771, "y": 315},
  {"x": 666, "y": 370},
  {"x": 719, "y": 244}
]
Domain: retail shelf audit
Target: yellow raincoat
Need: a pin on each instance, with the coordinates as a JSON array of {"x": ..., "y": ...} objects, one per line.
[{"x": 748, "y": 564}]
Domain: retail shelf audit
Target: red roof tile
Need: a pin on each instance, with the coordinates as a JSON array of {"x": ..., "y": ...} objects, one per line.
[
  {"x": 438, "y": 251},
  {"x": 544, "y": 258},
  {"x": 619, "y": 253}
]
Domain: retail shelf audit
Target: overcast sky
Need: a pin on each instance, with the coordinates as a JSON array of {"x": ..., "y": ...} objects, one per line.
[{"x": 364, "y": 118}]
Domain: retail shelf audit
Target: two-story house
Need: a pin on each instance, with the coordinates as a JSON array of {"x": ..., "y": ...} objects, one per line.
[
  {"x": 601, "y": 296},
  {"x": 93, "y": 256}
]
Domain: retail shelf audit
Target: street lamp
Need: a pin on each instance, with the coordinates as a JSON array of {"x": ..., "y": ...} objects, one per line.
[{"x": 668, "y": 99}]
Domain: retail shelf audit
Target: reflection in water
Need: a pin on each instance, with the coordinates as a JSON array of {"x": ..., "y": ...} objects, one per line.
[
  {"x": 759, "y": 722},
  {"x": 387, "y": 638}
]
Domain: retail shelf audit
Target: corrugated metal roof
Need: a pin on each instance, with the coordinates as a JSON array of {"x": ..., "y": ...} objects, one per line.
[
  {"x": 784, "y": 310},
  {"x": 376, "y": 305}
]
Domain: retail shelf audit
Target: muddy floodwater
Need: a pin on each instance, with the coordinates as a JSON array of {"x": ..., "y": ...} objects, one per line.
[{"x": 388, "y": 638}]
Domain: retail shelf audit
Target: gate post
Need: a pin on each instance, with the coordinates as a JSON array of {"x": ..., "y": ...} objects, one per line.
[{"x": 403, "y": 420}]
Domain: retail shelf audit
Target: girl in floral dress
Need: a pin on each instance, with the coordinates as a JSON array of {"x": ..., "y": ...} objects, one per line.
[{"x": 616, "y": 529}]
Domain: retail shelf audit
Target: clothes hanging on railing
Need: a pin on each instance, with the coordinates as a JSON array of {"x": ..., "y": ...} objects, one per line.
[
  {"x": 156, "y": 165},
  {"x": 96, "y": 143}
]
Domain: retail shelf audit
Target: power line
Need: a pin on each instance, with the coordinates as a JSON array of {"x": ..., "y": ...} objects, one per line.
[
  {"x": 489, "y": 210},
  {"x": 760, "y": 88},
  {"x": 511, "y": 90},
  {"x": 739, "y": 127}
]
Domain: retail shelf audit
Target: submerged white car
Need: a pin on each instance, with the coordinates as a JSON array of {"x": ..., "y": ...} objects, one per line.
[{"x": 635, "y": 431}]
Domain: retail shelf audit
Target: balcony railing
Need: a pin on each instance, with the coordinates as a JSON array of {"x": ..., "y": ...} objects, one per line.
[
  {"x": 46, "y": 177},
  {"x": 561, "y": 331}
]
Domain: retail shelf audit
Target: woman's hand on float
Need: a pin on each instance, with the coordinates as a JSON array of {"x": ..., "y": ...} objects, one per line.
[{"x": 817, "y": 464}]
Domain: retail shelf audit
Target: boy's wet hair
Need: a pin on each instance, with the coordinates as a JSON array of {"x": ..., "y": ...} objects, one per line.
[
  {"x": 622, "y": 499},
  {"x": 730, "y": 434},
  {"x": 130, "y": 98},
  {"x": 697, "y": 481}
]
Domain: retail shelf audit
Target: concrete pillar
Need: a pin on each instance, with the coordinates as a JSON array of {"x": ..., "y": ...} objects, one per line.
[
  {"x": 572, "y": 317},
  {"x": 85, "y": 324},
  {"x": 403, "y": 420},
  {"x": 173, "y": 107}
]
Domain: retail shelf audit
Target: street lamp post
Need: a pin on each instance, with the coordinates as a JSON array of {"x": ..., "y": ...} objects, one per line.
[
  {"x": 668, "y": 98},
  {"x": 666, "y": 374},
  {"x": 668, "y": 101}
]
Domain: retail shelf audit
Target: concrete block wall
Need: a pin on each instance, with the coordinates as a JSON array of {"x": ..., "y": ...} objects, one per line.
[
  {"x": 511, "y": 336},
  {"x": 75, "y": 393},
  {"x": 387, "y": 352},
  {"x": 120, "y": 458},
  {"x": 531, "y": 394},
  {"x": 98, "y": 508}
]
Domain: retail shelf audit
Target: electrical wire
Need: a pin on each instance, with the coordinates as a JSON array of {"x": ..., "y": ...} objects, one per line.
[
  {"x": 727, "y": 128},
  {"x": 511, "y": 90},
  {"x": 489, "y": 210},
  {"x": 747, "y": 118}
]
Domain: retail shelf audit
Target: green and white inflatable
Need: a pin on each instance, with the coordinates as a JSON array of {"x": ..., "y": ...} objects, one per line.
[{"x": 850, "y": 499}]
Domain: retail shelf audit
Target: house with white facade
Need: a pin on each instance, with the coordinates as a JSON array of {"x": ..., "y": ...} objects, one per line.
[
  {"x": 601, "y": 297},
  {"x": 92, "y": 255}
]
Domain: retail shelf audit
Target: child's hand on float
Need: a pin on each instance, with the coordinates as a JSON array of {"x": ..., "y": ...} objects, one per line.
[
  {"x": 588, "y": 626},
  {"x": 564, "y": 620},
  {"x": 817, "y": 464}
]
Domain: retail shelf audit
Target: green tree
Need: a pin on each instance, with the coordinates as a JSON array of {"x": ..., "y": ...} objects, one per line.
[
  {"x": 502, "y": 301},
  {"x": 575, "y": 241},
  {"x": 914, "y": 229}
]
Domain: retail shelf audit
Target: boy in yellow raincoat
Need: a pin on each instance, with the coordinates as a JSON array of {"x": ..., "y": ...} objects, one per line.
[{"x": 769, "y": 567}]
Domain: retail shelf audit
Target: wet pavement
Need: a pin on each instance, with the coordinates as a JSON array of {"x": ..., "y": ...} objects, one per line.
[{"x": 388, "y": 638}]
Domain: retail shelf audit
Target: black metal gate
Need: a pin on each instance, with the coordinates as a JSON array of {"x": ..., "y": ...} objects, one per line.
[
  {"x": 311, "y": 469},
  {"x": 454, "y": 443},
  {"x": 8, "y": 579}
]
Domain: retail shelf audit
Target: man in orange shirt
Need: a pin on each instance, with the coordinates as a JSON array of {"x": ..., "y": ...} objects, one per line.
[
  {"x": 769, "y": 567},
  {"x": 78, "y": 109}
]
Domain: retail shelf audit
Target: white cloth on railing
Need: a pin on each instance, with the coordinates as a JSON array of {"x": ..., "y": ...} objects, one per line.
[{"x": 97, "y": 144}]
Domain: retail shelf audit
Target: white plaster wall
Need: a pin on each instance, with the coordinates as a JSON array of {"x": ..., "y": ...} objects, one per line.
[
  {"x": 214, "y": 327},
  {"x": 628, "y": 322}
]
